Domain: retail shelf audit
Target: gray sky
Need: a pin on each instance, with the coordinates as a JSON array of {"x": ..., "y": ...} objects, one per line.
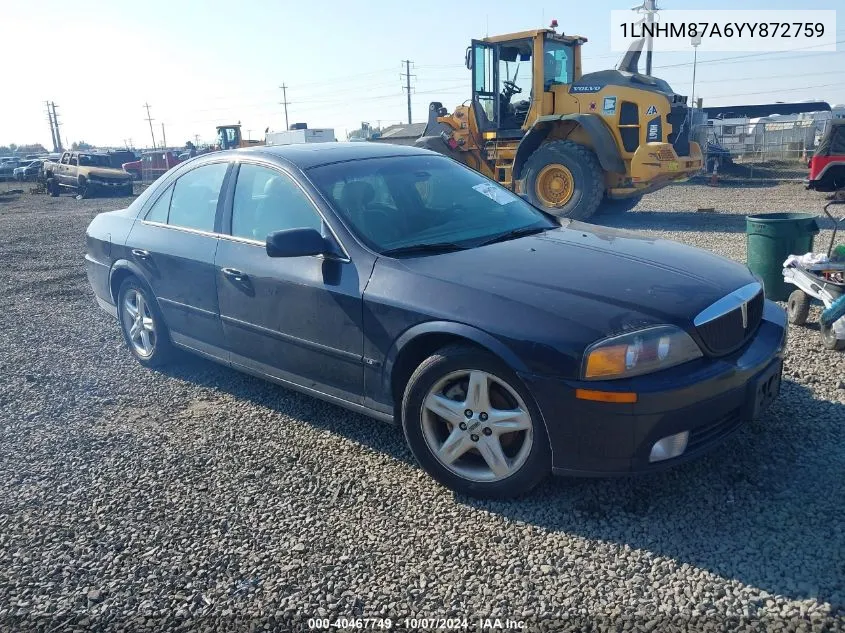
[{"x": 203, "y": 63}]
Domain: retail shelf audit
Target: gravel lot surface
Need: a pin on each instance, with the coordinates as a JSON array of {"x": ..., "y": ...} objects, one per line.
[{"x": 198, "y": 498}]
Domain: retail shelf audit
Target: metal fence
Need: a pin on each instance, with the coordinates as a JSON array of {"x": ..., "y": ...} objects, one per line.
[{"x": 759, "y": 150}]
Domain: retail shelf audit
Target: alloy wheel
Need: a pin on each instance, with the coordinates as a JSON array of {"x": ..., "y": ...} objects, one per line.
[
  {"x": 139, "y": 323},
  {"x": 477, "y": 426}
]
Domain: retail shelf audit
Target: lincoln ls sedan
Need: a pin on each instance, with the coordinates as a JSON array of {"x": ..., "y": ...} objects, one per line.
[{"x": 405, "y": 286}]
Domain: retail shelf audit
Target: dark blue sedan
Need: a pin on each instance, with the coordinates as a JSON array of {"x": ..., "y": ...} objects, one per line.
[{"x": 405, "y": 286}]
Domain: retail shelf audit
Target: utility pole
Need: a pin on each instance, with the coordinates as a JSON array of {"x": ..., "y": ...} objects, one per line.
[
  {"x": 53, "y": 135},
  {"x": 651, "y": 8},
  {"x": 285, "y": 103},
  {"x": 150, "y": 121},
  {"x": 407, "y": 75},
  {"x": 56, "y": 123},
  {"x": 196, "y": 140},
  {"x": 163, "y": 137}
]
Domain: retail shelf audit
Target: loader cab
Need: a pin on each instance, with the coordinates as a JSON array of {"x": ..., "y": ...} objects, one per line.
[
  {"x": 229, "y": 136},
  {"x": 512, "y": 73}
]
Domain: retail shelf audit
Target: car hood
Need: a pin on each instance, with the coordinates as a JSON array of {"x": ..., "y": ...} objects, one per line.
[{"x": 581, "y": 267}]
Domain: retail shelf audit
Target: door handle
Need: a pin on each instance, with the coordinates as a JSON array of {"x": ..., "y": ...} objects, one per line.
[
  {"x": 140, "y": 253},
  {"x": 234, "y": 273}
]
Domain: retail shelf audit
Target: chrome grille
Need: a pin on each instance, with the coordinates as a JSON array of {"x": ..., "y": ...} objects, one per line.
[{"x": 732, "y": 320}]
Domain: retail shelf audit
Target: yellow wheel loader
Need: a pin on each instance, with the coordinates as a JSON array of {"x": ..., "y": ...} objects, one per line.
[
  {"x": 568, "y": 142},
  {"x": 230, "y": 137}
]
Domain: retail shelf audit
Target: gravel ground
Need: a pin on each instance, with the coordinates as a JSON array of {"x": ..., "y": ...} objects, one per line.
[{"x": 198, "y": 498}]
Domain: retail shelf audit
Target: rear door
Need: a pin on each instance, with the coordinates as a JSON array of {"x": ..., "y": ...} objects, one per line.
[
  {"x": 297, "y": 319},
  {"x": 175, "y": 244}
]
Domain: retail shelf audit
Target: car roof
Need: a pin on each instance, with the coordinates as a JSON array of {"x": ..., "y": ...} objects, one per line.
[{"x": 308, "y": 155}]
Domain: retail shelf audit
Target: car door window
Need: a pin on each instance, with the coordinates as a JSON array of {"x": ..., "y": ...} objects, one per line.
[
  {"x": 193, "y": 204},
  {"x": 267, "y": 200},
  {"x": 158, "y": 212}
]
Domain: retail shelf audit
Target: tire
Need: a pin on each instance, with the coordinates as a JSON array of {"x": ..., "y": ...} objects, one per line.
[
  {"x": 524, "y": 455},
  {"x": 83, "y": 188},
  {"x": 128, "y": 190},
  {"x": 587, "y": 179},
  {"x": 829, "y": 339},
  {"x": 53, "y": 187},
  {"x": 157, "y": 349},
  {"x": 614, "y": 207},
  {"x": 798, "y": 307}
]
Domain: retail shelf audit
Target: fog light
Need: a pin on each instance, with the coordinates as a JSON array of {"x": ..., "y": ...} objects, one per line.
[{"x": 669, "y": 447}]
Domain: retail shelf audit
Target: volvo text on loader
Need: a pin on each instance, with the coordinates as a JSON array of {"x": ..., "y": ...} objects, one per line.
[{"x": 573, "y": 141}]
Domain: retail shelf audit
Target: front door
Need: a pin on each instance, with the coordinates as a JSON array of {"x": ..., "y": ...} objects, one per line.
[
  {"x": 485, "y": 96},
  {"x": 174, "y": 245},
  {"x": 297, "y": 319}
]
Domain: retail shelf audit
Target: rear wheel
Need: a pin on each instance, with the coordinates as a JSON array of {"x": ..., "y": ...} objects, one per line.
[
  {"x": 565, "y": 179},
  {"x": 472, "y": 425},
  {"x": 798, "y": 307},
  {"x": 143, "y": 327}
]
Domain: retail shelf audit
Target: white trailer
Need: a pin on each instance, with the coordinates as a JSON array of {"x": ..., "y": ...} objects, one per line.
[{"x": 290, "y": 137}]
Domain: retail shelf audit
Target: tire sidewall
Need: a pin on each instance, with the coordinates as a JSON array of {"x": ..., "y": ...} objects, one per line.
[
  {"x": 538, "y": 463},
  {"x": 163, "y": 349}
]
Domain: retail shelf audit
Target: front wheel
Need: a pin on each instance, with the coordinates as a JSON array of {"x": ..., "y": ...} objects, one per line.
[
  {"x": 473, "y": 426},
  {"x": 53, "y": 187},
  {"x": 565, "y": 179},
  {"x": 798, "y": 307}
]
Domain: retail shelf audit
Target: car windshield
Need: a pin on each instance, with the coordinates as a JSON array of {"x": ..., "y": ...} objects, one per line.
[
  {"x": 410, "y": 201},
  {"x": 94, "y": 160}
]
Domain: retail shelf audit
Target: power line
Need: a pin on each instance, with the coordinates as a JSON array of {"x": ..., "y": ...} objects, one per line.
[
  {"x": 735, "y": 57},
  {"x": 150, "y": 120},
  {"x": 778, "y": 90},
  {"x": 407, "y": 86},
  {"x": 285, "y": 103}
]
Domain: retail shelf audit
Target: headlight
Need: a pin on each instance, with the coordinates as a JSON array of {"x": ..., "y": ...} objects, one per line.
[{"x": 640, "y": 352}]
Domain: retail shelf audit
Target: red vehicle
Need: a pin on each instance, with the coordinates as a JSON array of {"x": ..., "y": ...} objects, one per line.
[
  {"x": 827, "y": 166},
  {"x": 151, "y": 165}
]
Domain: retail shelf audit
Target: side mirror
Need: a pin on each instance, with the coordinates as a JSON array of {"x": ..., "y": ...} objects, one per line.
[
  {"x": 468, "y": 58},
  {"x": 297, "y": 243}
]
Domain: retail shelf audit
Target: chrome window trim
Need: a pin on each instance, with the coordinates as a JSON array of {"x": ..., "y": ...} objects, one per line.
[
  {"x": 184, "y": 229},
  {"x": 727, "y": 304}
]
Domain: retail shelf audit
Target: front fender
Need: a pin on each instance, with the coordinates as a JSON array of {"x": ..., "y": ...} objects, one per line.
[
  {"x": 603, "y": 143},
  {"x": 473, "y": 334}
]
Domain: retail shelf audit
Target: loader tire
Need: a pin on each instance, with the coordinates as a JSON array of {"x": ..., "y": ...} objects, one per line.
[{"x": 565, "y": 179}]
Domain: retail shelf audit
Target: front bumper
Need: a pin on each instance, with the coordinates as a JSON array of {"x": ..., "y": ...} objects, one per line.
[
  {"x": 110, "y": 184},
  {"x": 710, "y": 397},
  {"x": 655, "y": 165}
]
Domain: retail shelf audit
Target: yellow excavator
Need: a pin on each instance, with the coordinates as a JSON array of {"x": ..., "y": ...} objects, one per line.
[{"x": 573, "y": 142}]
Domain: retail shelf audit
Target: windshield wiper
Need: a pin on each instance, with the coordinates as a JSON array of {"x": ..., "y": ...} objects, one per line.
[
  {"x": 438, "y": 247},
  {"x": 512, "y": 235}
]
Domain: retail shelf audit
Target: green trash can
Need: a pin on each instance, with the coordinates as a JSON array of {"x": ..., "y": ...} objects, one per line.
[{"x": 771, "y": 238}]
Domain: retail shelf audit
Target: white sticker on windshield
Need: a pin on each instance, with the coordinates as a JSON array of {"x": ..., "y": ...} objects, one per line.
[{"x": 495, "y": 193}]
